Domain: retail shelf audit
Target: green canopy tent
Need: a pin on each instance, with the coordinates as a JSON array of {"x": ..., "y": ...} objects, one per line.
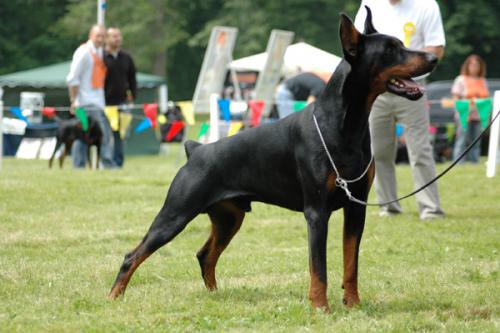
[{"x": 51, "y": 80}]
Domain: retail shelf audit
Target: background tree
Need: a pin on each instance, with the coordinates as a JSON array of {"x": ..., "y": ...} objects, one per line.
[{"x": 169, "y": 37}]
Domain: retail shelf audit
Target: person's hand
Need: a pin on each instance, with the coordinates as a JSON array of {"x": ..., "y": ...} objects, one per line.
[{"x": 72, "y": 107}]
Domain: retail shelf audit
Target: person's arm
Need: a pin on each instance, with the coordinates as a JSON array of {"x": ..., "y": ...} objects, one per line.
[
  {"x": 74, "y": 75},
  {"x": 132, "y": 81},
  {"x": 438, "y": 51}
]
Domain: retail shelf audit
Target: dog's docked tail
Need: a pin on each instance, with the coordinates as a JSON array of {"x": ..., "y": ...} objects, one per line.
[{"x": 189, "y": 146}]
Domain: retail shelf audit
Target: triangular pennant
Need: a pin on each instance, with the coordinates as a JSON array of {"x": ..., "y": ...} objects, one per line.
[
  {"x": 176, "y": 127},
  {"x": 299, "y": 105},
  {"x": 224, "y": 108},
  {"x": 234, "y": 128},
  {"x": 203, "y": 130},
  {"x": 256, "y": 107},
  {"x": 82, "y": 116},
  {"x": 162, "y": 119},
  {"x": 484, "y": 108},
  {"x": 113, "y": 115},
  {"x": 49, "y": 112},
  {"x": 125, "y": 120},
  {"x": 462, "y": 107},
  {"x": 187, "y": 111},
  {"x": 151, "y": 112},
  {"x": 143, "y": 125},
  {"x": 16, "y": 111},
  {"x": 450, "y": 132}
]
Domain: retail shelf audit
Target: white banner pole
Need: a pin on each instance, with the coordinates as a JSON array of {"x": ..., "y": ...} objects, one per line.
[
  {"x": 101, "y": 11},
  {"x": 214, "y": 118},
  {"x": 494, "y": 137}
]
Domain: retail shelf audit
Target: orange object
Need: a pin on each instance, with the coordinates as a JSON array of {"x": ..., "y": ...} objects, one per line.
[
  {"x": 98, "y": 72},
  {"x": 475, "y": 88}
]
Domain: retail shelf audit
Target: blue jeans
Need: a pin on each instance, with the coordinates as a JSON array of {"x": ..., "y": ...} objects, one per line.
[
  {"x": 464, "y": 138},
  {"x": 284, "y": 101},
  {"x": 118, "y": 149},
  {"x": 79, "y": 149}
]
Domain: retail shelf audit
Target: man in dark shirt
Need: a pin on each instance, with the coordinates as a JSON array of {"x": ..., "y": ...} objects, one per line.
[
  {"x": 302, "y": 87},
  {"x": 120, "y": 85}
]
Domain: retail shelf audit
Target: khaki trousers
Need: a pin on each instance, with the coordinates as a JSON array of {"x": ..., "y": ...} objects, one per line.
[{"x": 414, "y": 117}]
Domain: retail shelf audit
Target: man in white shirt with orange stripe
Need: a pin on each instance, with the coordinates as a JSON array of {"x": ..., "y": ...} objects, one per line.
[
  {"x": 417, "y": 23},
  {"x": 86, "y": 89}
]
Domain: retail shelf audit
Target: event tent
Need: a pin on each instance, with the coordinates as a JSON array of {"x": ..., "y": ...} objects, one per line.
[
  {"x": 298, "y": 57},
  {"x": 54, "y": 76}
]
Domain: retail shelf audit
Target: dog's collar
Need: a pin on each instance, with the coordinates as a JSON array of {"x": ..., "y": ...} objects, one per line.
[{"x": 339, "y": 181}]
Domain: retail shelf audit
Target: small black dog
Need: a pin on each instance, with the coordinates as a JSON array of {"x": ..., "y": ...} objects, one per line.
[
  {"x": 71, "y": 130},
  {"x": 285, "y": 164}
]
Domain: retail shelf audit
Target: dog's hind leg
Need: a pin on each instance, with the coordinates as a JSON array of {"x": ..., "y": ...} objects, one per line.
[
  {"x": 226, "y": 220},
  {"x": 184, "y": 202},
  {"x": 67, "y": 149},
  {"x": 56, "y": 148}
]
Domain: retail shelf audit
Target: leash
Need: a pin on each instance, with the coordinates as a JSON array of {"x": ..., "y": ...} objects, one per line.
[{"x": 343, "y": 183}]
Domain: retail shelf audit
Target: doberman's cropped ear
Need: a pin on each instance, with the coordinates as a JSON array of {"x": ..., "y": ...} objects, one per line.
[
  {"x": 349, "y": 37},
  {"x": 369, "y": 28}
]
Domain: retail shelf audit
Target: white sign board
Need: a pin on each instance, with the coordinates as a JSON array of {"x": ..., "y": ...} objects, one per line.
[
  {"x": 270, "y": 75},
  {"x": 213, "y": 71}
]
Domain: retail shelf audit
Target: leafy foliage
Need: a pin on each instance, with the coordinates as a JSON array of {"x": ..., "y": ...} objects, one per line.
[{"x": 168, "y": 37}]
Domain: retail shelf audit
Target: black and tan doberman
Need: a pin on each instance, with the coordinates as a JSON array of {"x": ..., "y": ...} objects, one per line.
[{"x": 285, "y": 164}]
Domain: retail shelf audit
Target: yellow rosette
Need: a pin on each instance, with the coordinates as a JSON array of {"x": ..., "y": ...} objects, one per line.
[{"x": 408, "y": 29}]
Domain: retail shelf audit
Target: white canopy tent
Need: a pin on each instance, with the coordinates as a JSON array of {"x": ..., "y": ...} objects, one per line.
[{"x": 298, "y": 57}]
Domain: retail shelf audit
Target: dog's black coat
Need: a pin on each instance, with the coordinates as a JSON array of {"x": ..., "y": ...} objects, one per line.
[
  {"x": 70, "y": 130},
  {"x": 285, "y": 164}
]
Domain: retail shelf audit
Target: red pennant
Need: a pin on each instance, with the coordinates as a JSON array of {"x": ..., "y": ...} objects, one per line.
[
  {"x": 256, "y": 106},
  {"x": 151, "y": 112},
  {"x": 49, "y": 112},
  {"x": 176, "y": 127}
]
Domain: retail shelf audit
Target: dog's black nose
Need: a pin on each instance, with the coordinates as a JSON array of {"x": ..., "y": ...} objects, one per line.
[{"x": 431, "y": 58}]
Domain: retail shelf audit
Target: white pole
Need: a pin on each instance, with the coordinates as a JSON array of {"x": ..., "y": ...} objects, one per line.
[
  {"x": 101, "y": 11},
  {"x": 1, "y": 132},
  {"x": 214, "y": 118},
  {"x": 494, "y": 137},
  {"x": 163, "y": 97}
]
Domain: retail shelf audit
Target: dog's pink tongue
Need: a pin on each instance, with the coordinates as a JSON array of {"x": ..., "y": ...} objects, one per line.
[{"x": 412, "y": 85}]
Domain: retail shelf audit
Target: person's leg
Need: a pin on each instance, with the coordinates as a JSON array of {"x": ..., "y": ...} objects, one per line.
[
  {"x": 472, "y": 133},
  {"x": 460, "y": 139},
  {"x": 284, "y": 101},
  {"x": 384, "y": 147},
  {"x": 118, "y": 149},
  {"x": 79, "y": 154},
  {"x": 107, "y": 139},
  {"x": 414, "y": 115}
]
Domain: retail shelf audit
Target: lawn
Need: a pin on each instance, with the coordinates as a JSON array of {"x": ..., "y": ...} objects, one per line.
[{"x": 63, "y": 235}]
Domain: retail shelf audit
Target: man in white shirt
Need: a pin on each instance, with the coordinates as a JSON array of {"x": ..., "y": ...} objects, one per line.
[
  {"x": 417, "y": 23},
  {"x": 86, "y": 90}
]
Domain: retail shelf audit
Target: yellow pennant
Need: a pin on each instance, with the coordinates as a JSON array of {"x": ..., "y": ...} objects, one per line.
[
  {"x": 234, "y": 128},
  {"x": 187, "y": 111},
  {"x": 408, "y": 29},
  {"x": 162, "y": 119},
  {"x": 112, "y": 115},
  {"x": 125, "y": 120}
]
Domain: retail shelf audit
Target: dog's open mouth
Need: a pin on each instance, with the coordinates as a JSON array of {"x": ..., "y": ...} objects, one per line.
[{"x": 405, "y": 87}]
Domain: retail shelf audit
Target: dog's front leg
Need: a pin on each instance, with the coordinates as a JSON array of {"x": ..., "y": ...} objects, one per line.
[
  {"x": 317, "y": 228},
  {"x": 354, "y": 223}
]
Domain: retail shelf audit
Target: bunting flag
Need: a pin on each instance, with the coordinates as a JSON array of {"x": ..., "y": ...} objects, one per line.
[
  {"x": 399, "y": 130},
  {"x": 187, "y": 111},
  {"x": 447, "y": 103},
  {"x": 484, "y": 108},
  {"x": 462, "y": 107},
  {"x": 234, "y": 128},
  {"x": 49, "y": 112},
  {"x": 162, "y": 119},
  {"x": 82, "y": 116},
  {"x": 143, "y": 125},
  {"x": 175, "y": 129},
  {"x": 125, "y": 120},
  {"x": 224, "y": 108},
  {"x": 16, "y": 111},
  {"x": 151, "y": 112},
  {"x": 299, "y": 105},
  {"x": 450, "y": 132},
  {"x": 203, "y": 130},
  {"x": 113, "y": 116},
  {"x": 256, "y": 107}
]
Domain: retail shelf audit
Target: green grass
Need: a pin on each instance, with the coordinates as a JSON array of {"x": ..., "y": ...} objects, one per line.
[{"x": 63, "y": 235}]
